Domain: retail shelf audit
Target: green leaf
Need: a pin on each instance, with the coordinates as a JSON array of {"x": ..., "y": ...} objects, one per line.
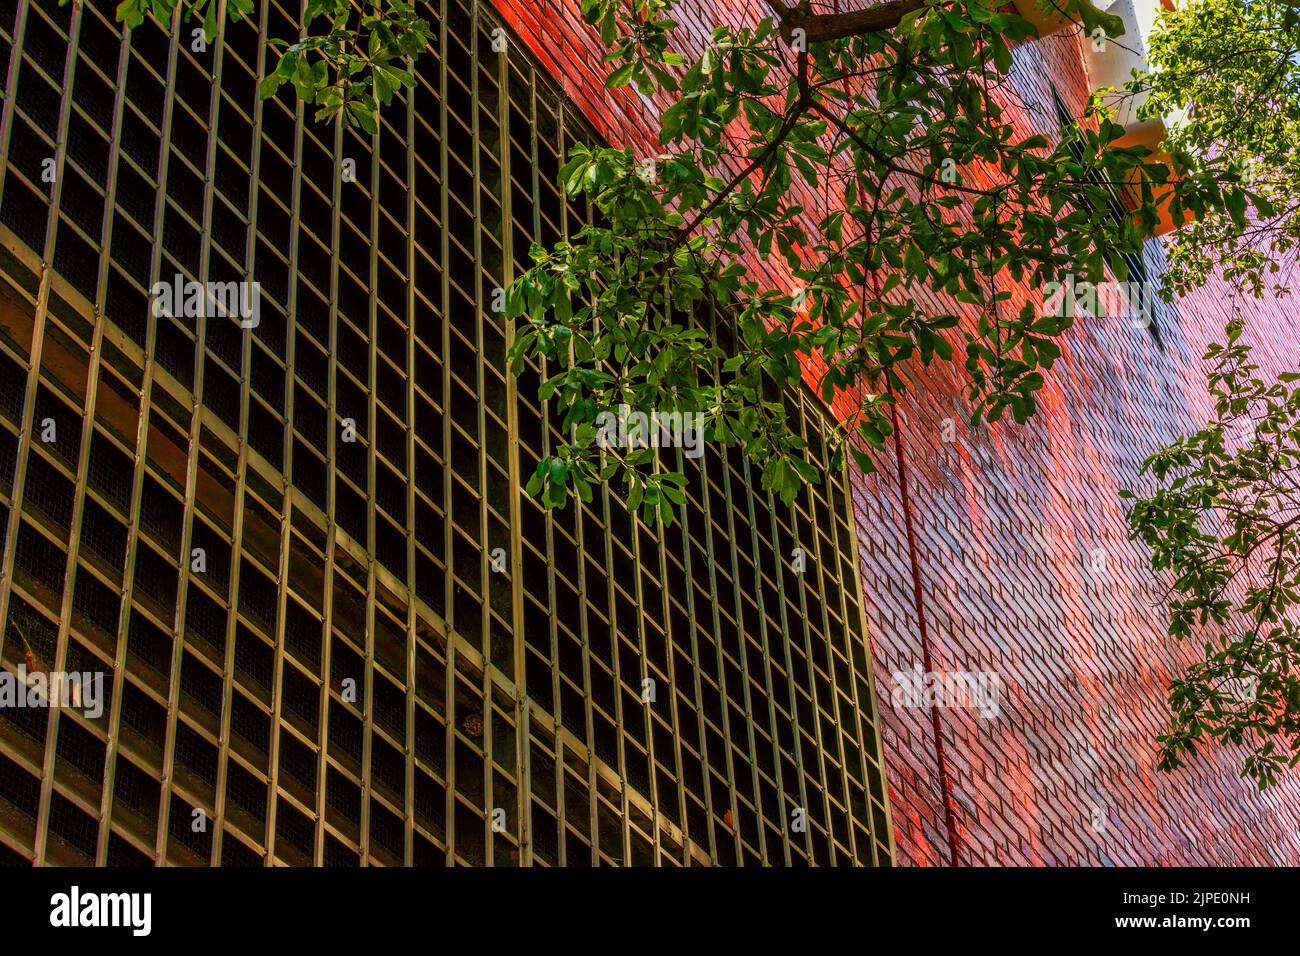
[{"x": 620, "y": 77}]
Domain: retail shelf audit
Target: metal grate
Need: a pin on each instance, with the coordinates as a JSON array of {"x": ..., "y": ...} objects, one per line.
[{"x": 375, "y": 671}]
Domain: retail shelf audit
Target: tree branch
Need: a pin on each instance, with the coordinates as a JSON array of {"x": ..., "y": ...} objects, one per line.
[
  {"x": 791, "y": 119},
  {"x": 819, "y": 27},
  {"x": 888, "y": 163}
]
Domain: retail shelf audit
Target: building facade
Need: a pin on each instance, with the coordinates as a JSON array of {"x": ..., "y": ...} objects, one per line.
[
  {"x": 335, "y": 630},
  {"x": 1004, "y": 551},
  {"x": 288, "y": 527}
]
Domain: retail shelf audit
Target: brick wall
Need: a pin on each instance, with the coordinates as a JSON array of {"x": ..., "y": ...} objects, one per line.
[{"x": 1018, "y": 563}]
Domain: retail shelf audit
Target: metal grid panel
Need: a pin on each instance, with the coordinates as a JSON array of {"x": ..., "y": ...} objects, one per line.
[{"x": 322, "y": 597}]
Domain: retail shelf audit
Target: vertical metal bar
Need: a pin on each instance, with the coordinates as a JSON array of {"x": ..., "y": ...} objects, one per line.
[
  {"x": 38, "y": 333},
  {"x": 10, "y": 542},
  {"x": 232, "y": 598},
  {"x": 409, "y": 477},
  {"x": 191, "y": 466},
  {"x": 110, "y": 198},
  {"x": 7, "y": 108}
]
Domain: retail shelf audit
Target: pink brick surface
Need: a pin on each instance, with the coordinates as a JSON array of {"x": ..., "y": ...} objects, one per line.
[{"x": 1009, "y": 523}]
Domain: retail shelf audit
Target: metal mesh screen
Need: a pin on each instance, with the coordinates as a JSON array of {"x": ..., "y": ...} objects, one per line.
[{"x": 277, "y": 543}]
